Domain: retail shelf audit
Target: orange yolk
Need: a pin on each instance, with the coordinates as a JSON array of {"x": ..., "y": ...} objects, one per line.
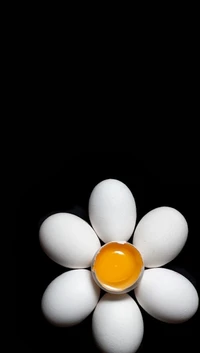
[{"x": 117, "y": 266}]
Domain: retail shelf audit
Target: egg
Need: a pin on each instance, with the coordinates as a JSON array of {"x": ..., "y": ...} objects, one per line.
[
  {"x": 117, "y": 324},
  {"x": 68, "y": 240},
  {"x": 70, "y": 298},
  {"x": 112, "y": 210},
  {"x": 117, "y": 267},
  {"x": 160, "y": 236},
  {"x": 167, "y": 295}
]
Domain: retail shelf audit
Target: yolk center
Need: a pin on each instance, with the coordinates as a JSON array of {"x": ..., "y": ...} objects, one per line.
[{"x": 117, "y": 265}]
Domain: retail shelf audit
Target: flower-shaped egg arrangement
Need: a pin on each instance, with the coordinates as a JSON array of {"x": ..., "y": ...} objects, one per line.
[{"x": 117, "y": 267}]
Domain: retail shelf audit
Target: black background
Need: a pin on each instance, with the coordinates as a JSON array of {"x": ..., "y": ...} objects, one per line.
[{"x": 58, "y": 182}]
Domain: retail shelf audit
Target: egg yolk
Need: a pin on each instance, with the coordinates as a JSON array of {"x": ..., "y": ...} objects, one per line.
[{"x": 117, "y": 266}]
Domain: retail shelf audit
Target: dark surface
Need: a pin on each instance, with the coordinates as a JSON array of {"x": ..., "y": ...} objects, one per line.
[{"x": 64, "y": 184}]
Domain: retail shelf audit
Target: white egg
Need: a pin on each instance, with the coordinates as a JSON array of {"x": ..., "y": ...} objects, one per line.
[
  {"x": 117, "y": 324},
  {"x": 70, "y": 298},
  {"x": 167, "y": 295},
  {"x": 160, "y": 236},
  {"x": 68, "y": 240},
  {"x": 112, "y": 210}
]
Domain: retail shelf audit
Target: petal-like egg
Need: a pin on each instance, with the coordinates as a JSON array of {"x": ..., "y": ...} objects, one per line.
[
  {"x": 117, "y": 324},
  {"x": 68, "y": 240},
  {"x": 70, "y": 298},
  {"x": 112, "y": 210},
  {"x": 167, "y": 295},
  {"x": 160, "y": 236}
]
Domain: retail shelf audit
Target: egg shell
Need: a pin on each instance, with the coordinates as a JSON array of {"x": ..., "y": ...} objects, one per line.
[
  {"x": 112, "y": 210},
  {"x": 167, "y": 295},
  {"x": 117, "y": 324},
  {"x": 68, "y": 240},
  {"x": 160, "y": 236},
  {"x": 70, "y": 298}
]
